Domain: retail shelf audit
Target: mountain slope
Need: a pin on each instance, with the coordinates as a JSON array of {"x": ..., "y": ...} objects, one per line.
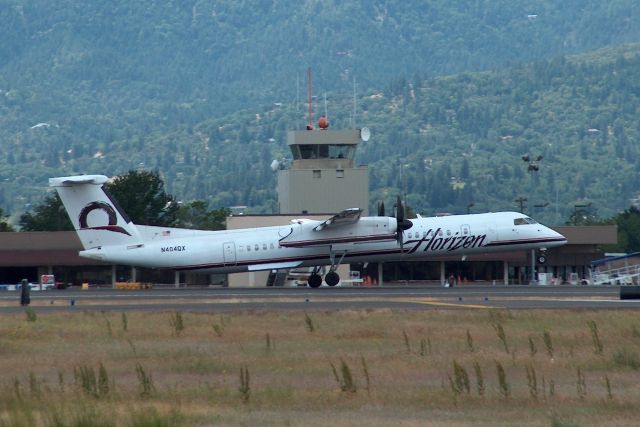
[{"x": 94, "y": 86}]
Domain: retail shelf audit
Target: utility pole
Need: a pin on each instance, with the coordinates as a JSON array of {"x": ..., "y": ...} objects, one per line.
[{"x": 520, "y": 201}]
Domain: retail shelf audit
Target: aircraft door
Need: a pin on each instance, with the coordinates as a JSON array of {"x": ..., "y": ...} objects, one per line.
[{"x": 229, "y": 253}]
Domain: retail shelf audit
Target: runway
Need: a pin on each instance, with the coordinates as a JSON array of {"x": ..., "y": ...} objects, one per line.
[{"x": 426, "y": 297}]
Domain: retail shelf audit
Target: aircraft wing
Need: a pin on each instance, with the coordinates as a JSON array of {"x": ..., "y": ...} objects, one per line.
[
  {"x": 346, "y": 227},
  {"x": 346, "y": 217}
]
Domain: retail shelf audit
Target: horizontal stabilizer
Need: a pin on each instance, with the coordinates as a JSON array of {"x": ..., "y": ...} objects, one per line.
[
  {"x": 67, "y": 181},
  {"x": 275, "y": 266}
]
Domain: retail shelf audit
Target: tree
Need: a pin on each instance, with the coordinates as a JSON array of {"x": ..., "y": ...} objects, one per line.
[
  {"x": 628, "y": 223},
  {"x": 196, "y": 215},
  {"x": 4, "y": 224},
  {"x": 142, "y": 197},
  {"x": 140, "y": 194},
  {"x": 50, "y": 215}
]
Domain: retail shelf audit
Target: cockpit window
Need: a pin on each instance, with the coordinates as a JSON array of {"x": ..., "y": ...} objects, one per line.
[{"x": 524, "y": 220}]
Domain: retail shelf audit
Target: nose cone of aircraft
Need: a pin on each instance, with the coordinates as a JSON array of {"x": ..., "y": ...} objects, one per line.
[{"x": 555, "y": 238}]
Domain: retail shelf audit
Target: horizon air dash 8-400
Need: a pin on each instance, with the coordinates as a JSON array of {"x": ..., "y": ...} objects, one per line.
[{"x": 107, "y": 234}]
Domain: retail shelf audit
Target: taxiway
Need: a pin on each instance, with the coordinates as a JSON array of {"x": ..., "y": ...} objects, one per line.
[{"x": 358, "y": 298}]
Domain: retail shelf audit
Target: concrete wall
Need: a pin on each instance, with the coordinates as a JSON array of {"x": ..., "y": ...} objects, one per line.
[{"x": 323, "y": 190}]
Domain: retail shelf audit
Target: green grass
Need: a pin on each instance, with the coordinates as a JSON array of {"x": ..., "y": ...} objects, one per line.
[{"x": 356, "y": 368}]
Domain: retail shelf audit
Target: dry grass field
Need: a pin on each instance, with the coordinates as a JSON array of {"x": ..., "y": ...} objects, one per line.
[{"x": 337, "y": 368}]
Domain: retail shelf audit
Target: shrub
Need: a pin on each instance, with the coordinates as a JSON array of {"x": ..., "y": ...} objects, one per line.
[{"x": 627, "y": 358}]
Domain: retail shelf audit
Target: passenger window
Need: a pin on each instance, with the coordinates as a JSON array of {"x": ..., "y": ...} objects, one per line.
[
  {"x": 271, "y": 246},
  {"x": 240, "y": 248},
  {"x": 257, "y": 247},
  {"x": 440, "y": 233},
  {"x": 248, "y": 248},
  {"x": 448, "y": 232},
  {"x": 264, "y": 246},
  {"x": 424, "y": 234}
]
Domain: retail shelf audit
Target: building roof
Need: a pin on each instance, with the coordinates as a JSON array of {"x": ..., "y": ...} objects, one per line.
[
  {"x": 589, "y": 235},
  {"x": 41, "y": 248}
]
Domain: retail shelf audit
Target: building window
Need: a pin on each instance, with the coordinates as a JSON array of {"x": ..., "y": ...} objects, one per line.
[
  {"x": 317, "y": 174},
  {"x": 339, "y": 173}
]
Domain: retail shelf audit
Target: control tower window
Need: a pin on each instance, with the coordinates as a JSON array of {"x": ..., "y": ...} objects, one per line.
[
  {"x": 341, "y": 151},
  {"x": 323, "y": 151},
  {"x": 308, "y": 151}
]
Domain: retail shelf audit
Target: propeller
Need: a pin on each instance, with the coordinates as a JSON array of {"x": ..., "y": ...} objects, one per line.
[
  {"x": 403, "y": 223},
  {"x": 381, "y": 208}
]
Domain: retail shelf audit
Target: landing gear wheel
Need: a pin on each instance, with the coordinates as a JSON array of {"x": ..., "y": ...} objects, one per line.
[
  {"x": 315, "y": 280},
  {"x": 332, "y": 278}
]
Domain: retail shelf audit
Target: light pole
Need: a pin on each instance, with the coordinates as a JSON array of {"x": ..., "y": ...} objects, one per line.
[{"x": 532, "y": 167}]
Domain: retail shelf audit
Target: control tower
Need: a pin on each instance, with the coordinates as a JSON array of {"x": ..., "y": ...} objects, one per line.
[{"x": 323, "y": 177}]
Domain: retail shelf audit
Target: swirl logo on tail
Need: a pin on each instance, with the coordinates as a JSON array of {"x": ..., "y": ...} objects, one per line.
[{"x": 113, "y": 218}]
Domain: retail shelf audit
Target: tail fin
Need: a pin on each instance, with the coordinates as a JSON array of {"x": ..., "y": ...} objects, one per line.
[{"x": 96, "y": 216}]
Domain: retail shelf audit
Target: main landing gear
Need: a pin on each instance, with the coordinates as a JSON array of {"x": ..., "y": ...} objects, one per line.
[{"x": 331, "y": 278}]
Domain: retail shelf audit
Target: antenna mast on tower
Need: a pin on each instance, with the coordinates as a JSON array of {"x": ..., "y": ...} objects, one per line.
[
  {"x": 310, "y": 123},
  {"x": 353, "y": 124}
]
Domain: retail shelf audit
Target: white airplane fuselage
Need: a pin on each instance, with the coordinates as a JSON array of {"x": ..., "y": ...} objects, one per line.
[
  {"x": 108, "y": 234},
  {"x": 297, "y": 244}
]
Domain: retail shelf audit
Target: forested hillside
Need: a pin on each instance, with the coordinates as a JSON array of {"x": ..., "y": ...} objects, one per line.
[
  {"x": 94, "y": 87},
  {"x": 445, "y": 142},
  {"x": 458, "y": 140}
]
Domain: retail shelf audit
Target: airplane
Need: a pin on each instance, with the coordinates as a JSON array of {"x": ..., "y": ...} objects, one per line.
[{"x": 107, "y": 234}]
